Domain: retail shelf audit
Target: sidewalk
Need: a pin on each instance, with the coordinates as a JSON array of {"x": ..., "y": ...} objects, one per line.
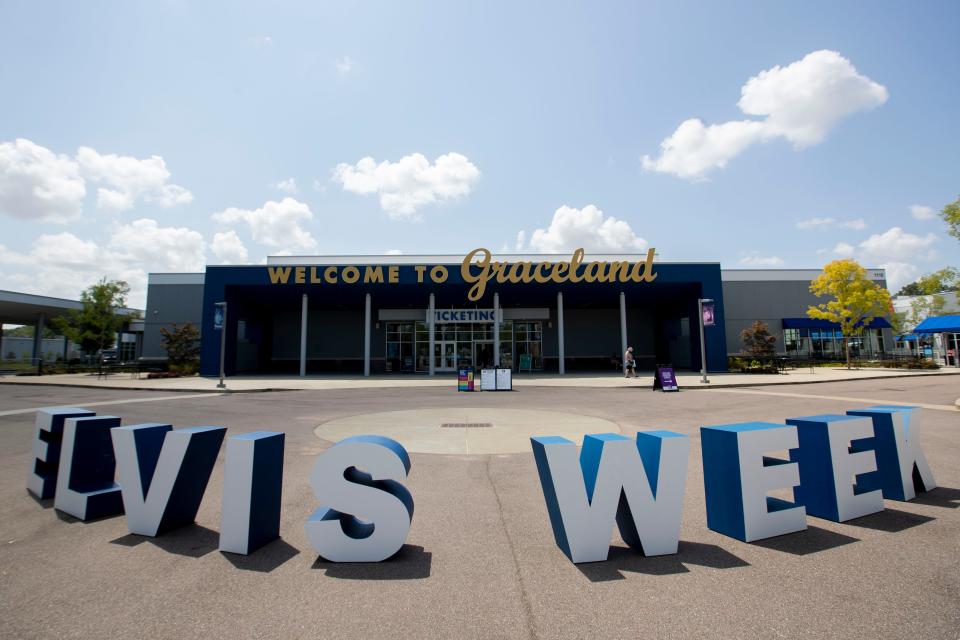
[{"x": 687, "y": 381}]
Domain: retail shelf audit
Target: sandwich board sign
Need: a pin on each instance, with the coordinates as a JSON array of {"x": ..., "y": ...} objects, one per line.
[{"x": 664, "y": 379}]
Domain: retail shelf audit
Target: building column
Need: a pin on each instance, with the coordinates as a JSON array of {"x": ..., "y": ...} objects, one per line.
[
  {"x": 38, "y": 336},
  {"x": 66, "y": 348},
  {"x": 3, "y": 354},
  {"x": 430, "y": 326},
  {"x": 560, "y": 355},
  {"x": 303, "y": 336},
  {"x": 623, "y": 332},
  {"x": 366, "y": 337},
  {"x": 496, "y": 330}
]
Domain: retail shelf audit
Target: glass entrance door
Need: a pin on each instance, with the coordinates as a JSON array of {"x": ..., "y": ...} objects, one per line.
[
  {"x": 445, "y": 355},
  {"x": 483, "y": 354}
]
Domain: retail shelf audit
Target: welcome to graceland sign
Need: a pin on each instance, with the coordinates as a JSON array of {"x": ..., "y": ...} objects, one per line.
[
  {"x": 478, "y": 269},
  {"x": 840, "y": 467}
]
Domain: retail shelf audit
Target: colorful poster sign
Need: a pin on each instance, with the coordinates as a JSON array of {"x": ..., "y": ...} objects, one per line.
[{"x": 465, "y": 380}]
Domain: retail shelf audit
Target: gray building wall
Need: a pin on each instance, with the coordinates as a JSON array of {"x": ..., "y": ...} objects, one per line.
[
  {"x": 772, "y": 300},
  {"x": 171, "y": 298}
]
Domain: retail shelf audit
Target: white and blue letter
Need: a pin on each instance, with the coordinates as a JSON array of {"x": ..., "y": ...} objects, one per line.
[
  {"x": 638, "y": 484},
  {"x": 85, "y": 486},
  {"x": 252, "y": 484},
  {"x": 831, "y": 470},
  {"x": 896, "y": 440},
  {"x": 367, "y": 513},
  {"x": 737, "y": 477},
  {"x": 163, "y": 473},
  {"x": 47, "y": 438}
]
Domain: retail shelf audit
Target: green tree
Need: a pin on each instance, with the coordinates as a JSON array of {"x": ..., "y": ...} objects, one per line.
[
  {"x": 929, "y": 300},
  {"x": 951, "y": 215},
  {"x": 757, "y": 340},
  {"x": 855, "y": 300},
  {"x": 182, "y": 343},
  {"x": 95, "y": 326}
]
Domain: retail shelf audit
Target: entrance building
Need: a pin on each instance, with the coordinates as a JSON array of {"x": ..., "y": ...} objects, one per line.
[{"x": 409, "y": 315}]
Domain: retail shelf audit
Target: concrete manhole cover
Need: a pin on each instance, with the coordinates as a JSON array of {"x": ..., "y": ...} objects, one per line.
[{"x": 466, "y": 430}]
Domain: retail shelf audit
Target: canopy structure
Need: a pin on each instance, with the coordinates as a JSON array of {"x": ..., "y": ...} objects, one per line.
[
  {"x": 942, "y": 324},
  {"x": 814, "y": 323}
]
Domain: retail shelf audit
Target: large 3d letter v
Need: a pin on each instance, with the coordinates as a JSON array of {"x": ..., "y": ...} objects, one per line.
[{"x": 163, "y": 473}]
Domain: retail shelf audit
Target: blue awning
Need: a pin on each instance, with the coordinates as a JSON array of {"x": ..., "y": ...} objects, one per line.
[
  {"x": 942, "y": 324},
  {"x": 814, "y": 323},
  {"x": 908, "y": 338}
]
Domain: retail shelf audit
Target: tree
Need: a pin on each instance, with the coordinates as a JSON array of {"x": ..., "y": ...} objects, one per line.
[
  {"x": 95, "y": 326},
  {"x": 856, "y": 300},
  {"x": 929, "y": 300},
  {"x": 182, "y": 343},
  {"x": 951, "y": 215},
  {"x": 757, "y": 340}
]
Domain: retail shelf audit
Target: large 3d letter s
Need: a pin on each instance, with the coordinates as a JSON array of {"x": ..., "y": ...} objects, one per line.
[{"x": 367, "y": 511}]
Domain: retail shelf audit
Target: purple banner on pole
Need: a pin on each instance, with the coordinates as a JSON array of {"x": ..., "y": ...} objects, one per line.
[{"x": 708, "y": 314}]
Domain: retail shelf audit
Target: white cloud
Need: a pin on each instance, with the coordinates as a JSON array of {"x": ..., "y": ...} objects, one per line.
[
  {"x": 521, "y": 240},
  {"x": 585, "y": 228},
  {"x": 130, "y": 179},
  {"x": 896, "y": 245},
  {"x": 899, "y": 274},
  {"x": 922, "y": 212},
  {"x": 895, "y": 250},
  {"x": 843, "y": 249},
  {"x": 37, "y": 184},
  {"x": 753, "y": 259},
  {"x": 410, "y": 183},
  {"x": 275, "y": 224},
  {"x": 800, "y": 102},
  {"x": 287, "y": 186},
  {"x": 261, "y": 41},
  {"x": 228, "y": 248},
  {"x": 693, "y": 150},
  {"x": 831, "y": 223},
  {"x": 344, "y": 65},
  {"x": 145, "y": 242},
  {"x": 63, "y": 264}
]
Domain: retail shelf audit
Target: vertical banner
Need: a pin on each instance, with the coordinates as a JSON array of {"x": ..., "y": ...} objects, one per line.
[
  {"x": 218, "y": 318},
  {"x": 708, "y": 314}
]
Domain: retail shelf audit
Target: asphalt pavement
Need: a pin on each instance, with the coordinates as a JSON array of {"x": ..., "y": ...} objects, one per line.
[{"x": 480, "y": 560}]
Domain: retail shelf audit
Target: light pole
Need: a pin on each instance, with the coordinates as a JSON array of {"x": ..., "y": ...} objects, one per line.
[
  {"x": 703, "y": 349},
  {"x": 223, "y": 339}
]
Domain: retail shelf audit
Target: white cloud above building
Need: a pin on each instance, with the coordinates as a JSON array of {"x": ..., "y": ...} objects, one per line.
[
  {"x": 800, "y": 103},
  {"x": 275, "y": 224},
  {"x": 406, "y": 186},
  {"x": 587, "y": 228}
]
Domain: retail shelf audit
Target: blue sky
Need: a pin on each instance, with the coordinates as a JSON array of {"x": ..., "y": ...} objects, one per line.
[{"x": 140, "y": 137}]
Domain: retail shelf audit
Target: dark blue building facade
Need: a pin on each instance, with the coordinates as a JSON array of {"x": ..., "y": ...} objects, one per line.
[{"x": 374, "y": 316}]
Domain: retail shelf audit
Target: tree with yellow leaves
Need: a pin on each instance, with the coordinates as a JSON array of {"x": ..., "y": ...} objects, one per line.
[{"x": 855, "y": 299}]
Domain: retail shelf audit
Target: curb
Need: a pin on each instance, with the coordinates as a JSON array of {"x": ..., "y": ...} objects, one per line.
[{"x": 698, "y": 387}]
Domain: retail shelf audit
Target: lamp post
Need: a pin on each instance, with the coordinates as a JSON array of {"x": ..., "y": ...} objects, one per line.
[
  {"x": 703, "y": 349},
  {"x": 223, "y": 338}
]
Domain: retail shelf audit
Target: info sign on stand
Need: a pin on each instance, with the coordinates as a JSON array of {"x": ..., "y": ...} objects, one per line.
[
  {"x": 496, "y": 380},
  {"x": 664, "y": 379},
  {"x": 465, "y": 380}
]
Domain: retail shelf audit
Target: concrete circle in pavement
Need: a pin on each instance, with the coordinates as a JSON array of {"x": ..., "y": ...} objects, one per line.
[{"x": 502, "y": 430}]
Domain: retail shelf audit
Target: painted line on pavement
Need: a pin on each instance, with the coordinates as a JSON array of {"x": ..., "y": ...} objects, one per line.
[
  {"x": 784, "y": 394},
  {"x": 179, "y": 396}
]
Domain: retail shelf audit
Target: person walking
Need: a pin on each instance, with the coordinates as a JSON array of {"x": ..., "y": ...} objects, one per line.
[{"x": 629, "y": 364}]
